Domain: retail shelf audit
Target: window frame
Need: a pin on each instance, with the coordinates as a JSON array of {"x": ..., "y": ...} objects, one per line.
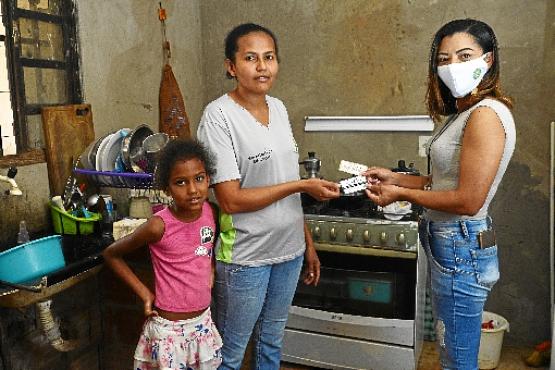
[{"x": 67, "y": 19}]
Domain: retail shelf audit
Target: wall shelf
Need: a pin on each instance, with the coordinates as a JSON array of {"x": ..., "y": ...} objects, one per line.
[{"x": 368, "y": 123}]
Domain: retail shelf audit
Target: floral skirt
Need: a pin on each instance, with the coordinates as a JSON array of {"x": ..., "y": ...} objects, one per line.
[{"x": 192, "y": 344}]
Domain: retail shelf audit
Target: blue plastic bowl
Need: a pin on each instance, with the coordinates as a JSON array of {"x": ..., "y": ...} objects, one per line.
[{"x": 32, "y": 260}]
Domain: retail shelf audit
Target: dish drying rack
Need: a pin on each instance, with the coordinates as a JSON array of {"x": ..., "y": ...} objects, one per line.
[
  {"x": 118, "y": 179},
  {"x": 140, "y": 184}
]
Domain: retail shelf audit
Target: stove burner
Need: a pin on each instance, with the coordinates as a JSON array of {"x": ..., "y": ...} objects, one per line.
[
  {"x": 367, "y": 209},
  {"x": 361, "y": 212}
]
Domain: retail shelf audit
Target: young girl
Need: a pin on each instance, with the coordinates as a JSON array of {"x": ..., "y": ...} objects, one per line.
[
  {"x": 179, "y": 332},
  {"x": 263, "y": 239}
]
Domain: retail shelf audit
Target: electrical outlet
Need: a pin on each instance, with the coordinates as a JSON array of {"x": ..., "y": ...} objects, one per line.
[{"x": 422, "y": 144}]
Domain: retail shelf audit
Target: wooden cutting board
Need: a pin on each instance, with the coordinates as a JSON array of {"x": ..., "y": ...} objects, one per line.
[{"x": 68, "y": 130}]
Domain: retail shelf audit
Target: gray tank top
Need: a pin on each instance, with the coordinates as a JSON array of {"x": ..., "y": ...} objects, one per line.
[{"x": 445, "y": 149}]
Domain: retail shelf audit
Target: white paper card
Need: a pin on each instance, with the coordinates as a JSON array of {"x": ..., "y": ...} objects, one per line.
[{"x": 352, "y": 167}]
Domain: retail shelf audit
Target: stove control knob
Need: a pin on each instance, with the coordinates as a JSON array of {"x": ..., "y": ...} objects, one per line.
[
  {"x": 349, "y": 235},
  {"x": 316, "y": 232},
  {"x": 333, "y": 233},
  {"x": 366, "y": 236},
  {"x": 401, "y": 239},
  {"x": 383, "y": 237}
]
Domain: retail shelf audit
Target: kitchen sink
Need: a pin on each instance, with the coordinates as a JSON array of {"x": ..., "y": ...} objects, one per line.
[{"x": 83, "y": 260}]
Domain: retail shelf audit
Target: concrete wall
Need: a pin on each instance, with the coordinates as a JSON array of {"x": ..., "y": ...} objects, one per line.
[
  {"x": 122, "y": 59},
  {"x": 370, "y": 58},
  {"x": 338, "y": 58},
  {"x": 121, "y": 65},
  {"x": 31, "y": 206}
]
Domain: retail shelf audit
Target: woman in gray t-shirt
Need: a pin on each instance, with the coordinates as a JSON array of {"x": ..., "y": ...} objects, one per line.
[
  {"x": 469, "y": 155},
  {"x": 263, "y": 238}
]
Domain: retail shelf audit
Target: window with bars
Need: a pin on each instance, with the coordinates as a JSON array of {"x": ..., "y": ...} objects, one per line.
[{"x": 39, "y": 66}]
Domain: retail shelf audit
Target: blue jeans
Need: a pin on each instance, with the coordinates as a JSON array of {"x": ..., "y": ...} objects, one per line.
[
  {"x": 254, "y": 299},
  {"x": 462, "y": 275}
]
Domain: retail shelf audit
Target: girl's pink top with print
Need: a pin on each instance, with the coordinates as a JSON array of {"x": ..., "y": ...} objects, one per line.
[{"x": 182, "y": 262}]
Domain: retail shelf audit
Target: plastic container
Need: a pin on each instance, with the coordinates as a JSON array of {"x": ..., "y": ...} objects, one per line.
[
  {"x": 32, "y": 260},
  {"x": 23, "y": 234},
  {"x": 491, "y": 341},
  {"x": 65, "y": 223}
]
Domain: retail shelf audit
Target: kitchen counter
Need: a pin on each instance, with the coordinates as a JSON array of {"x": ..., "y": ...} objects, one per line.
[{"x": 83, "y": 260}]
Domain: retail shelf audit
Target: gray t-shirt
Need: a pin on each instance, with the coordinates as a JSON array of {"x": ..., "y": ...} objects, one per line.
[
  {"x": 445, "y": 151},
  {"x": 256, "y": 156}
]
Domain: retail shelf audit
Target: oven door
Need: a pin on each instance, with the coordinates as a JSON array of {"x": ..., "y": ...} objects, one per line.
[
  {"x": 351, "y": 321},
  {"x": 359, "y": 296},
  {"x": 356, "y": 304},
  {"x": 383, "y": 294}
]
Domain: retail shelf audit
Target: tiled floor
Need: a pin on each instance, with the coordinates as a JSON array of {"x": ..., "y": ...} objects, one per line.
[{"x": 511, "y": 359}]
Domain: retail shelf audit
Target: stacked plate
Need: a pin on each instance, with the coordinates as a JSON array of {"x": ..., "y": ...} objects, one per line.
[
  {"x": 124, "y": 150},
  {"x": 108, "y": 157},
  {"x": 105, "y": 153}
]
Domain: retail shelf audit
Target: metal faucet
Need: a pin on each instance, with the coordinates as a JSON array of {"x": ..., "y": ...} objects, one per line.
[{"x": 14, "y": 189}]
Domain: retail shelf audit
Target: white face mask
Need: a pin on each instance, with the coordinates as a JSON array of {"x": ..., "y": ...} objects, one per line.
[{"x": 462, "y": 78}]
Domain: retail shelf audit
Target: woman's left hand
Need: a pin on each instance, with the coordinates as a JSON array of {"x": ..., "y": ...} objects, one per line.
[
  {"x": 382, "y": 194},
  {"x": 312, "y": 266}
]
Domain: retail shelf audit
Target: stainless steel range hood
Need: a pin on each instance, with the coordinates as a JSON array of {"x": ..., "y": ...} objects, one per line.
[{"x": 368, "y": 123}]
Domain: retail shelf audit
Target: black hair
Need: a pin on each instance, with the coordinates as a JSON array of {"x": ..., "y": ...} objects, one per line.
[
  {"x": 181, "y": 150},
  {"x": 439, "y": 98},
  {"x": 232, "y": 38}
]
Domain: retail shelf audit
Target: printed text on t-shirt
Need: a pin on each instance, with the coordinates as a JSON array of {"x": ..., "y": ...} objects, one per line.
[{"x": 262, "y": 156}]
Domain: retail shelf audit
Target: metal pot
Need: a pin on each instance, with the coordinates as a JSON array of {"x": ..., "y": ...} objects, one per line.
[
  {"x": 132, "y": 146},
  {"x": 152, "y": 145}
]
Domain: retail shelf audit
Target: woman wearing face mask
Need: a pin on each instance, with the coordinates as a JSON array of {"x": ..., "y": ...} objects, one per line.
[{"x": 468, "y": 157}]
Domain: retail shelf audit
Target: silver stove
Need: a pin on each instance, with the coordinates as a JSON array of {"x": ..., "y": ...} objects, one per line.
[{"x": 344, "y": 323}]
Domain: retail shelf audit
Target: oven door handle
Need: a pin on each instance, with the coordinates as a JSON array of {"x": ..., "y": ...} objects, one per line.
[
  {"x": 385, "y": 330},
  {"x": 311, "y": 313}
]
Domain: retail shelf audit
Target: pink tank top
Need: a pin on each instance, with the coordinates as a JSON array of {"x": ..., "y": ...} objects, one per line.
[{"x": 182, "y": 262}]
